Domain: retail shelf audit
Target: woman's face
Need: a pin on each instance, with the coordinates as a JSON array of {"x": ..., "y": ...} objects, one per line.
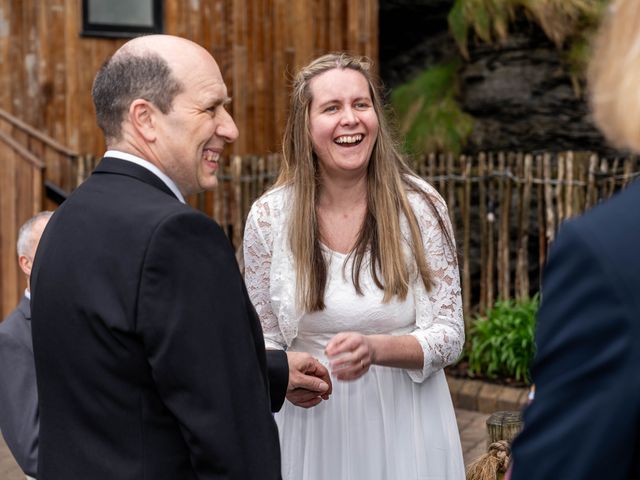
[{"x": 343, "y": 122}]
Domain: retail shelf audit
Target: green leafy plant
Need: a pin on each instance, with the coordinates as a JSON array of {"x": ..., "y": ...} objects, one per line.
[
  {"x": 429, "y": 116},
  {"x": 502, "y": 342}
]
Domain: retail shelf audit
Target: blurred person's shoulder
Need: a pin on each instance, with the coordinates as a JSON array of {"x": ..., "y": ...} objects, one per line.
[
  {"x": 13, "y": 323},
  {"x": 618, "y": 216},
  {"x": 610, "y": 233}
]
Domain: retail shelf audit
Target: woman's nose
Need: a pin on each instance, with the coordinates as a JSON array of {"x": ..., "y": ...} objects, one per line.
[{"x": 348, "y": 117}]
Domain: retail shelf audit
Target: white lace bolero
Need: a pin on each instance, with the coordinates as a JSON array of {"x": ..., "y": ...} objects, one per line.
[{"x": 270, "y": 279}]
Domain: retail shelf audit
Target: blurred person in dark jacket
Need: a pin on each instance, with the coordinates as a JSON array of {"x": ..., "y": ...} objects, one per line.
[{"x": 585, "y": 420}]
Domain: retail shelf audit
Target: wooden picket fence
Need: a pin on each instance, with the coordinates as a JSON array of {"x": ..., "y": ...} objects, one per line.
[{"x": 505, "y": 208}]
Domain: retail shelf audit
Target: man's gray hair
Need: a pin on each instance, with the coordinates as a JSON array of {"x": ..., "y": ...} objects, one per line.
[
  {"x": 25, "y": 234},
  {"x": 126, "y": 77}
]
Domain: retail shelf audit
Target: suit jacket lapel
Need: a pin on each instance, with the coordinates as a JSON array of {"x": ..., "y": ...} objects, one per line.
[{"x": 123, "y": 167}]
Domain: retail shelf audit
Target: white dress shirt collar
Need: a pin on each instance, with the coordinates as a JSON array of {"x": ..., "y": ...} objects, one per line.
[{"x": 149, "y": 166}]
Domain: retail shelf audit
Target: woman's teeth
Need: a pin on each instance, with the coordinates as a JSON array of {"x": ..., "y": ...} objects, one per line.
[{"x": 349, "y": 139}]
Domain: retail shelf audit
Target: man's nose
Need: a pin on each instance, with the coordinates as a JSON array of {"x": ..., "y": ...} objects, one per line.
[{"x": 227, "y": 128}]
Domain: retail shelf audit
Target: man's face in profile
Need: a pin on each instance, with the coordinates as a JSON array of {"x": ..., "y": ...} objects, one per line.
[{"x": 193, "y": 134}]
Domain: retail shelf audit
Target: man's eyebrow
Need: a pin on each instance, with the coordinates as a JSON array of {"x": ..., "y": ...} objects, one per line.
[{"x": 221, "y": 101}]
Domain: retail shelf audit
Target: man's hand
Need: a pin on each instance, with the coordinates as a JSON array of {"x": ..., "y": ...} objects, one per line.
[{"x": 309, "y": 381}]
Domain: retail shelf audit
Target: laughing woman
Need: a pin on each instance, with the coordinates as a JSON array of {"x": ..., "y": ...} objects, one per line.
[{"x": 351, "y": 257}]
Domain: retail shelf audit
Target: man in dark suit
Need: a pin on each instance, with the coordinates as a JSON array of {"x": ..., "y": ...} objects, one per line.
[
  {"x": 18, "y": 393},
  {"x": 584, "y": 422},
  {"x": 149, "y": 356}
]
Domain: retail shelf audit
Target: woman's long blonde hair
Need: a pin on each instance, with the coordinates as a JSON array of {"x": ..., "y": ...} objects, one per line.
[
  {"x": 388, "y": 181},
  {"x": 614, "y": 75}
]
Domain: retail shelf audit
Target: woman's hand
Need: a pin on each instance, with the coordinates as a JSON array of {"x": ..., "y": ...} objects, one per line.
[{"x": 350, "y": 355}]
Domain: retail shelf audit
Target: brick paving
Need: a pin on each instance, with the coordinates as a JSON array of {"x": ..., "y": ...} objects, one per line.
[
  {"x": 478, "y": 396},
  {"x": 472, "y": 427},
  {"x": 473, "y": 433}
]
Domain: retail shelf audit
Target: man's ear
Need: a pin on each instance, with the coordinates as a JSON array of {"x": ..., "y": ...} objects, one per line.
[
  {"x": 25, "y": 264},
  {"x": 142, "y": 116}
]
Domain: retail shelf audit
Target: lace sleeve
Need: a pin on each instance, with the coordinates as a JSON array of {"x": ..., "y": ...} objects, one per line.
[
  {"x": 258, "y": 252},
  {"x": 439, "y": 318}
]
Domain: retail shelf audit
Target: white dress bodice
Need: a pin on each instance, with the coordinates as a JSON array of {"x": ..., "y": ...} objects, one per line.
[
  {"x": 270, "y": 278},
  {"x": 346, "y": 311}
]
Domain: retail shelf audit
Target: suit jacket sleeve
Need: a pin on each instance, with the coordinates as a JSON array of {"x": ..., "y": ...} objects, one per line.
[
  {"x": 278, "y": 377},
  {"x": 19, "y": 402},
  {"x": 582, "y": 369},
  {"x": 206, "y": 350}
]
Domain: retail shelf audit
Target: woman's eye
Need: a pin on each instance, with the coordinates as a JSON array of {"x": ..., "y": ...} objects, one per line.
[{"x": 331, "y": 108}]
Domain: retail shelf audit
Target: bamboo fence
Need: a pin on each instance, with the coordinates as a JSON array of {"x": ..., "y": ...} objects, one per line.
[{"x": 505, "y": 208}]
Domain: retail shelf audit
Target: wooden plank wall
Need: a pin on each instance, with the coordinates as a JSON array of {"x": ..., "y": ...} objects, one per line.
[
  {"x": 21, "y": 197},
  {"x": 47, "y": 68},
  {"x": 26, "y": 157}
]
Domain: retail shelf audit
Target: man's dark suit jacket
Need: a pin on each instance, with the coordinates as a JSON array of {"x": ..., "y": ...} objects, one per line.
[
  {"x": 18, "y": 394},
  {"x": 584, "y": 422},
  {"x": 149, "y": 356}
]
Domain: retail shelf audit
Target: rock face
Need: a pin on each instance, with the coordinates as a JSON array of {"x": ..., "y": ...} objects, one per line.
[
  {"x": 519, "y": 92},
  {"x": 522, "y": 97}
]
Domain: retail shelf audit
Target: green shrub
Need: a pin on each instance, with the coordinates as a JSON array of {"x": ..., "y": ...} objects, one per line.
[
  {"x": 430, "y": 118},
  {"x": 502, "y": 343}
]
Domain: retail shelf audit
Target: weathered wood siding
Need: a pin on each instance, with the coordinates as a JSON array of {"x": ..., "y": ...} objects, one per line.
[
  {"x": 21, "y": 197},
  {"x": 47, "y": 68}
]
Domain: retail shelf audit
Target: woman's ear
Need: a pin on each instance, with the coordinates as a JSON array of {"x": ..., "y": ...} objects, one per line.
[{"x": 142, "y": 117}]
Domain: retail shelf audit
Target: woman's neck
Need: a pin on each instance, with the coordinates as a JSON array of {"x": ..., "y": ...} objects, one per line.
[
  {"x": 343, "y": 193},
  {"x": 341, "y": 209}
]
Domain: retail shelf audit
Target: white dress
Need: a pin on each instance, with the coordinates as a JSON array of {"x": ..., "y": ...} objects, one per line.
[{"x": 390, "y": 423}]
